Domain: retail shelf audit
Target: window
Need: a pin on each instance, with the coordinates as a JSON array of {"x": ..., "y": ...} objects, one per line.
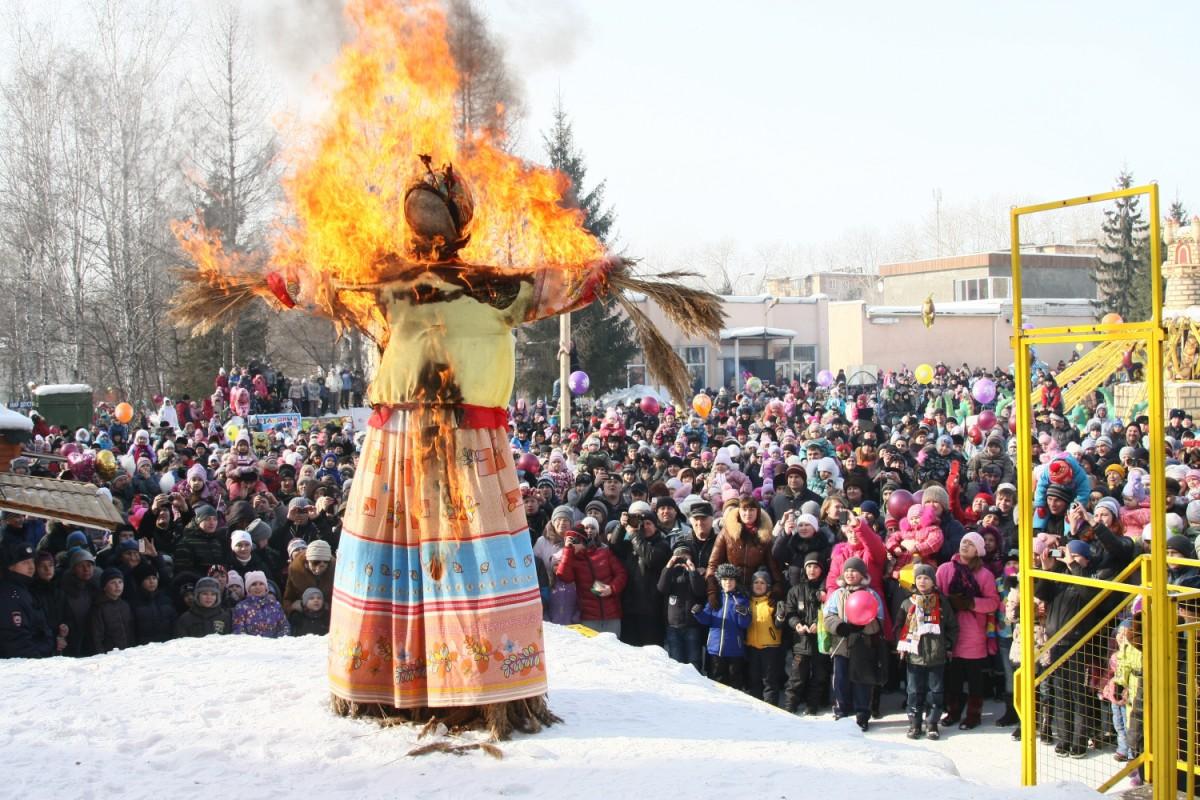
[
  {"x": 803, "y": 368},
  {"x": 635, "y": 370},
  {"x": 696, "y": 359},
  {"x": 983, "y": 289}
]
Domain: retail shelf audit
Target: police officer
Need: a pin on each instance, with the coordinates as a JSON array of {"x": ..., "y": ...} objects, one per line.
[{"x": 24, "y": 632}]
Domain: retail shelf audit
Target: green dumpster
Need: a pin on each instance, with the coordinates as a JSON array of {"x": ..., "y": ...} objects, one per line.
[{"x": 67, "y": 405}]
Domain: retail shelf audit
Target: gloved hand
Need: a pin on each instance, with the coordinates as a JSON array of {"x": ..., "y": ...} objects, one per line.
[
  {"x": 960, "y": 602},
  {"x": 845, "y": 629}
]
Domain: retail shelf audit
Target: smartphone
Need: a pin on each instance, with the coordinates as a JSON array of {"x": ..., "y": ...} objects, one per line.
[
  {"x": 1056, "y": 553},
  {"x": 843, "y": 517},
  {"x": 141, "y": 545}
]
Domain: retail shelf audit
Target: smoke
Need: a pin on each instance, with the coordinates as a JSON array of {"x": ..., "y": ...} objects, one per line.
[
  {"x": 540, "y": 36},
  {"x": 297, "y": 39}
]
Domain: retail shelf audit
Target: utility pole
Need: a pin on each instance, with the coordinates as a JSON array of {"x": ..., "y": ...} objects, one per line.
[
  {"x": 564, "y": 372},
  {"x": 937, "y": 218}
]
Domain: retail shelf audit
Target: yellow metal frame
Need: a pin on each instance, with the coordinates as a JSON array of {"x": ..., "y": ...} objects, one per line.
[{"x": 1159, "y": 641}]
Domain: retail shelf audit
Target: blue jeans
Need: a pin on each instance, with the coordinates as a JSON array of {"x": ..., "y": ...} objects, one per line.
[
  {"x": 1118, "y": 718},
  {"x": 686, "y": 645},
  {"x": 848, "y": 697},
  {"x": 925, "y": 689}
]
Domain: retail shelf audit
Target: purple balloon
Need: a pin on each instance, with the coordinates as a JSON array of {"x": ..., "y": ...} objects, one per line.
[
  {"x": 984, "y": 391},
  {"x": 578, "y": 382},
  {"x": 824, "y": 379},
  {"x": 918, "y": 497}
]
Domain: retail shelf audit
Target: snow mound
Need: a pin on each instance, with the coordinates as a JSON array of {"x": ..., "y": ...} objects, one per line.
[
  {"x": 12, "y": 421},
  {"x": 62, "y": 388},
  {"x": 237, "y": 716}
]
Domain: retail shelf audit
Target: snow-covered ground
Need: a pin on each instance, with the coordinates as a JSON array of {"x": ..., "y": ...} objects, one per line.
[{"x": 243, "y": 717}]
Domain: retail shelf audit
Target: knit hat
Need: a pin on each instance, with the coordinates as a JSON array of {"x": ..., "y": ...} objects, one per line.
[
  {"x": 310, "y": 593},
  {"x": 856, "y": 564},
  {"x": 640, "y": 508},
  {"x": 1064, "y": 493},
  {"x": 869, "y": 507},
  {"x": 1193, "y": 512},
  {"x": 763, "y": 575},
  {"x": 1114, "y": 508},
  {"x": 1061, "y": 472},
  {"x": 204, "y": 511},
  {"x": 1104, "y": 440},
  {"x": 240, "y": 537},
  {"x": 1181, "y": 544},
  {"x": 924, "y": 569},
  {"x": 974, "y": 538},
  {"x": 1175, "y": 524},
  {"x": 808, "y": 519},
  {"x": 78, "y": 556},
  {"x": 681, "y": 550},
  {"x": 597, "y": 505},
  {"x": 1117, "y": 468},
  {"x": 1078, "y": 547},
  {"x": 255, "y": 576},
  {"x": 294, "y": 546},
  {"x": 565, "y": 511},
  {"x": 318, "y": 550},
  {"x": 208, "y": 585},
  {"x": 727, "y": 571},
  {"x": 233, "y": 579},
  {"x": 111, "y": 574},
  {"x": 197, "y": 471},
  {"x": 1006, "y": 487},
  {"x": 77, "y": 539},
  {"x": 812, "y": 558},
  {"x": 258, "y": 530},
  {"x": 142, "y": 571},
  {"x": 936, "y": 493}
]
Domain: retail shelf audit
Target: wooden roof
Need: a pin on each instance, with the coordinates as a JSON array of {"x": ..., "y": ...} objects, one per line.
[{"x": 69, "y": 501}]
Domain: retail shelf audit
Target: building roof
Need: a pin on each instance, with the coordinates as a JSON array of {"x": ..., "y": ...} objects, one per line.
[
  {"x": 71, "y": 502},
  {"x": 1056, "y": 306},
  {"x": 757, "y": 332},
  {"x": 994, "y": 259}
]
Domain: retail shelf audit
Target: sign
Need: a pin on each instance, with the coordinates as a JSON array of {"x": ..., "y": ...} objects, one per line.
[{"x": 275, "y": 422}]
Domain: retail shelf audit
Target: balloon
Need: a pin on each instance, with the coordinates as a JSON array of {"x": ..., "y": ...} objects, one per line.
[
  {"x": 167, "y": 482},
  {"x": 128, "y": 464},
  {"x": 824, "y": 379},
  {"x": 1012, "y": 424},
  {"x": 123, "y": 412},
  {"x": 918, "y": 497},
  {"x": 75, "y": 462},
  {"x": 70, "y": 447},
  {"x": 702, "y": 404},
  {"x": 1111, "y": 318},
  {"x": 231, "y": 431},
  {"x": 649, "y": 405},
  {"x": 106, "y": 464},
  {"x": 861, "y": 607},
  {"x": 1079, "y": 347},
  {"x": 984, "y": 391},
  {"x": 578, "y": 382},
  {"x": 975, "y": 434},
  {"x": 529, "y": 463},
  {"x": 987, "y": 420},
  {"x": 924, "y": 374},
  {"x": 898, "y": 503},
  {"x": 754, "y": 384}
]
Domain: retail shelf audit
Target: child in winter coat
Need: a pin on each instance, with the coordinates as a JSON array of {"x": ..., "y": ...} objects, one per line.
[
  {"x": 727, "y": 626},
  {"x": 925, "y": 635},
  {"x": 807, "y": 667},
  {"x": 259, "y": 614},
  {"x": 206, "y": 616},
  {"x": 111, "y": 618},
  {"x": 919, "y": 536},
  {"x": 764, "y": 660},
  {"x": 313, "y": 616},
  {"x": 858, "y": 651},
  {"x": 971, "y": 590},
  {"x": 683, "y": 586},
  {"x": 1123, "y": 692},
  {"x": 562, "y": 607}
]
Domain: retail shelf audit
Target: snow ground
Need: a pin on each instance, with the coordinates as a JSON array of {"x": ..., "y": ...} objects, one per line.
[{"x": 246, "y": 717}]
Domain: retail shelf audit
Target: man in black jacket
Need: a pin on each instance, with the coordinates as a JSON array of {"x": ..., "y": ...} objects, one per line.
[
  {"x": 794, "y": 495},
  {"x": 644, "y": 551},
  {"x": 24, "y": 631}
]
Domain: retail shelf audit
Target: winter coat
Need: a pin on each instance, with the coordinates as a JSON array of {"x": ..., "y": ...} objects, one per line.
[
  {"x": 197, "y": 551},
  {"x": 952, "y": 534},
  {"x": 972, "y": 641},
  {"x": 763, "y": 630},
  {"x": 805, "y": 606},
  {"x": 1081, "y": 485},
  {"x": 112, "y": 624},
  {"x": 863, "y": 646},
  {"x": 299, "y": 579},
  {"x": 746, "y": 550},
  {"x": 1012, "y": 612},
  {"x": 260, "y": 616},
  {"x": 929, "y": 543},
  {"x": 305, "y": 623},
  {"x": 933, "y": 648},
  {"x": 682, "y": 588},
  {"x": 790, "y": 550},
  {"x": 79, "y": 597},
  {"x": 727, "y": 624},
  {"x": 871, "y": 550},
  {"x": 984, "y": 459},
  {"x": 154, "y": 616},
  {"x": 1129, "y": 671},
  {"x": 644, "y": 560},
  {"x": 595, "y": 564},
  {"x": 24, "y": 631},
  {"x": 199, "y": 621}
]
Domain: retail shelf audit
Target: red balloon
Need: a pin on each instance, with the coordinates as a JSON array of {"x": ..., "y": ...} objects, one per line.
[
  {"x": 898, "y": 503},
  {"x": 1012, "y": 424},
  {"x": 987, "y": 420},
  {"x": 975, "y": 434},
  {"x": 529, "y": 463},
  {"x": 861, "y": 607},
  {"x": 649, "y": 405}
]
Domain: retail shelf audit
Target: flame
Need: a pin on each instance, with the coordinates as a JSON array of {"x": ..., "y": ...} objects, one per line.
[{"x": 394, "y": 99}]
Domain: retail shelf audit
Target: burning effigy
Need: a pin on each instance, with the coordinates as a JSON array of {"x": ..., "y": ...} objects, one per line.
[{"x": 435, "y": 249}]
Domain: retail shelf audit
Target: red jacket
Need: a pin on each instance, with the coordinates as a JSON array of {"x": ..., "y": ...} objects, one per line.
[{"x": 597, "y": 564}]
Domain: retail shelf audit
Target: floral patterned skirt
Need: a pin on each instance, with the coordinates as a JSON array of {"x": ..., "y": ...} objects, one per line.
[{"x": 436, "y": 600}]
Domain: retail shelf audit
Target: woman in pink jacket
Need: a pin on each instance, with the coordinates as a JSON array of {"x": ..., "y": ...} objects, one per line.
[
  {"x": 971, "y": 590},
  {"x": 861, "y": 542}
]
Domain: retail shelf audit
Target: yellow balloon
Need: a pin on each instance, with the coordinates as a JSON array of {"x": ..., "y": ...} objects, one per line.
[
  {"x": 923, "y": 373},
  {"x": 232, "y": 431},
  {"x": 1079, "y": 347},
  {"x": 106, "y": 464}
]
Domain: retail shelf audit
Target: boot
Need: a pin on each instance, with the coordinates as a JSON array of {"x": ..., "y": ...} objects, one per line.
[
  {"x": 1010, "y": 714},
  {"x": 1016, "y": 734},
  {"x": 1045, "y": 731},
  {"x": 863, "y": 719},
  {"x": 875, "y": 697},
  {"x": 931, "y": 724},
  {"x": 974, "y": 713},
  {"x": 914, "y": 726},
  {"x": 953, "y": 711}
]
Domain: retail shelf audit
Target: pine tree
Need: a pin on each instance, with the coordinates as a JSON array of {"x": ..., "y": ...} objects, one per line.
[
  {"x": 601, "y": 335},
  {"x": 1178, "y": 213},
  {"x": 1121, "y": 273}
]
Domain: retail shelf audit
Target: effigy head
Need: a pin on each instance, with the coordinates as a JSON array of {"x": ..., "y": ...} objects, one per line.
[{"x": 438, "y": 207}]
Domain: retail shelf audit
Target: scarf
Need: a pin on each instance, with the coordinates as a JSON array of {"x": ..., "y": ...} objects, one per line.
[
  {"x": 924, "y": 617},
  {"x": 964, "y": 582}
]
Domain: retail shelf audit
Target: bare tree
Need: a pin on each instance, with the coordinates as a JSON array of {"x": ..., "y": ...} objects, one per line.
[{"x": 489, "y": 99}]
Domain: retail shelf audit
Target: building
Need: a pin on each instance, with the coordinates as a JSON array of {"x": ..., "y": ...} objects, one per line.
[
  {"x": 834, "y": 285},
  {"x": 988, "y": 276}
]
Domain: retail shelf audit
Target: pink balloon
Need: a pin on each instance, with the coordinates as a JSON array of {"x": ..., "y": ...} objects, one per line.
[
  {"x": 899, "y": 502},
  {"x": 649, "y": 405},
  {"x": 861, "y": 607},
  {"x": 987, "y": 420},
  {"x": 918, "y": 497}
]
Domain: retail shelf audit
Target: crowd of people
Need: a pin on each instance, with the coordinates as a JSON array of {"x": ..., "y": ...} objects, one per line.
[{"x": 816, "y": 547}]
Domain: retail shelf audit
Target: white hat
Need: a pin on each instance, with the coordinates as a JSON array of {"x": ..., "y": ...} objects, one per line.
[
  {"x": 256, "y": 576},
  {"x": 238, "y": 537}
]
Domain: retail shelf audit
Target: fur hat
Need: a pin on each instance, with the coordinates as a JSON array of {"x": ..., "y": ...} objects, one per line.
[{"x": 727, "y": 571}]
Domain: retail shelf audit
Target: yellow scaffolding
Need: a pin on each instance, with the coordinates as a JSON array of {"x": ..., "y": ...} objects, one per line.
[{"x": 1160, "y": 644}]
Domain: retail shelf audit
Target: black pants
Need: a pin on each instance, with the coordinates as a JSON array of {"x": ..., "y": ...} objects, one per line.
[
  {"x": 1069, "y": 686},
  {"x": 964, "y": 670},
  {"x": 764, "y": 673},
  {"x": 728, "y": 670},
  {"x": 807, "y": 682},
  {"x": 640, "y": 630}
]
